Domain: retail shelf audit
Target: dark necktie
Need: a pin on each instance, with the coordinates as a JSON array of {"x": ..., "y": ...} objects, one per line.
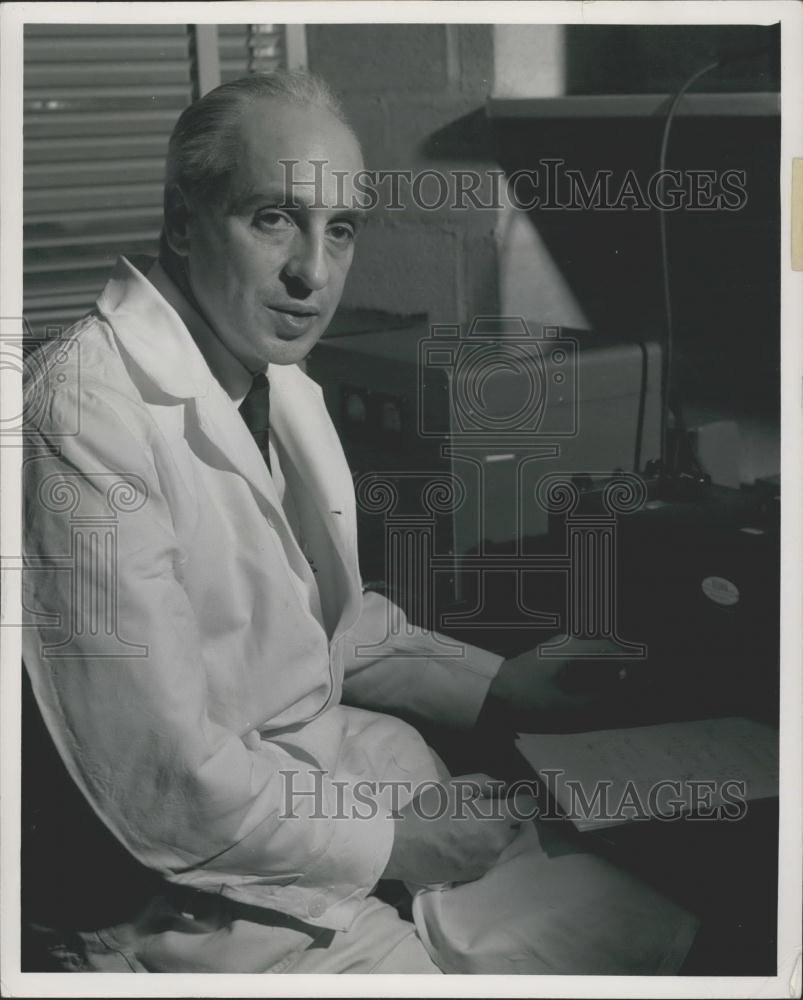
[{"x": 255, "y": 410}]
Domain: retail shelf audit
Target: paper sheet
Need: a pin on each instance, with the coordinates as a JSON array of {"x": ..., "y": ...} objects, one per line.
[{"x": 710, "y": 767}]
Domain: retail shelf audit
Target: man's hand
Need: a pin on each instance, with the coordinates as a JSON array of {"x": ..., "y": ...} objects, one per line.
[
  {"x": 531, "y": 683},
  {"x": 468, "y": 831}
]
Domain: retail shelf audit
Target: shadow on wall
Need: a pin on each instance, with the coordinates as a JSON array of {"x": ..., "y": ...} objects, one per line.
[{"x": 656, "y": 59}]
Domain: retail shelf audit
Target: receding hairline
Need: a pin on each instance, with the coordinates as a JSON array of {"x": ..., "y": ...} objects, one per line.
[
  {"x": 239, "y": 144},
  {"x": 203, "y": 148},
  {"x": 287, "y": 102}
]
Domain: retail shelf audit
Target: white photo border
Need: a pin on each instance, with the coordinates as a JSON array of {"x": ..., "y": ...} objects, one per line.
[{"x": 787, "y": 982}]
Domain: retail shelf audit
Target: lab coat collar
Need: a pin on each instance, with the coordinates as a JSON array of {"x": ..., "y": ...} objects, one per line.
[
  {"x": 153, "y": 334},
  {"x": 151, "y": 330},
  {"x": 230, "y": 372}
]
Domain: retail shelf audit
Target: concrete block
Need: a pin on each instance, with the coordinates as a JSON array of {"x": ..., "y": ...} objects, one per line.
[
  {"x": 444, "y": 134},
  {"x": 376, "y": 58},
  {"x": 407, "y": 268},
  {"x": 367, "y": 117},
  {"x": 476, "y": 51},
  {"x": 428, "y": 128},
  {"x": 480, "y": 282},
  {"x": 530, "y": 60}
]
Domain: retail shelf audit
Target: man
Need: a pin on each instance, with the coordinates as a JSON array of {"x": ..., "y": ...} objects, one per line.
[{"x": 194, "y": 661}]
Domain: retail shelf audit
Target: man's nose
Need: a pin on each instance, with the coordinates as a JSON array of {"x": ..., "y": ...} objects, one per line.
[{"x": 307, "y": 263}]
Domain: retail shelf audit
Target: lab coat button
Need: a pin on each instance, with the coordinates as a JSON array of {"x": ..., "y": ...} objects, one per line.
[{"x": 317, "y": 907}]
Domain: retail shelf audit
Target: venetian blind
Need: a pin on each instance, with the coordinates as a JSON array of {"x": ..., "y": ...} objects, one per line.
[{"x": 100, "y": 101}]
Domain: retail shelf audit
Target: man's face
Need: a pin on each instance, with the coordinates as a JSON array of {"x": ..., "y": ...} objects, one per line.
[{"x": 268, "y": 265}]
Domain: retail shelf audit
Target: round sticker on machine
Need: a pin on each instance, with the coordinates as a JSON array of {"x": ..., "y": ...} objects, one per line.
[{"x": 720, "y": 590}]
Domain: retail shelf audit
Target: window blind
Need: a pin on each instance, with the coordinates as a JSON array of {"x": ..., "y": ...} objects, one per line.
[
  {"x": 100, "y": 101},
  {"x": 250, "y": 48}
]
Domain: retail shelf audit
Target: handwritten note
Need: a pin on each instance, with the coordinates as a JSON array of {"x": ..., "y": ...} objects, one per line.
[{"x": 710, "y": 768}]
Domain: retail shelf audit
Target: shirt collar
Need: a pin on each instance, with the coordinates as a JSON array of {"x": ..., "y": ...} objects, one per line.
[{"x": 232, "y": 375}]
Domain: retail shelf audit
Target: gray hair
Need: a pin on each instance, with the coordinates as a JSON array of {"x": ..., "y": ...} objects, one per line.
[{"x": 203, "y": 149}]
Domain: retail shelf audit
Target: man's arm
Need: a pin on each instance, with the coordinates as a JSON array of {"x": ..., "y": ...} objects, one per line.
[
  {"x": 185, "y": 795},
  {"x": 394, "y": 666}
]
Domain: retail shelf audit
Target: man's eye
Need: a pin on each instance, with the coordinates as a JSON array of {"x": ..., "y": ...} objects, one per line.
[
  {"x": 274, "y": 221},
  {"x": 341, "y": 232}
]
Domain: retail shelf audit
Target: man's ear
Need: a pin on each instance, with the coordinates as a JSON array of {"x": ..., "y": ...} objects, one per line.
[{"x": 177, "y": 220}]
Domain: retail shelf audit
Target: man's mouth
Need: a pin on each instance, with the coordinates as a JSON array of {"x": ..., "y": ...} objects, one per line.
[
  {"x": 295, "y": 310},
  {"x": 292, "y": 321}
]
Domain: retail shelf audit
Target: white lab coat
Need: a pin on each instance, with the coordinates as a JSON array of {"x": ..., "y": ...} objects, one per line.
[{"x": 190, "y": 670}]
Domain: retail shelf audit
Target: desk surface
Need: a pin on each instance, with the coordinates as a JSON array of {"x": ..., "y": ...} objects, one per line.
[
  {"x": 726, "y": 873},
  {"x": 701, "y": 664}
]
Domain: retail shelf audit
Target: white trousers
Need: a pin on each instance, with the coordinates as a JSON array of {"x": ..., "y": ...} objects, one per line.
[
  {"x": 548, "y": 906},
  {"x": 216, "y": 936}
]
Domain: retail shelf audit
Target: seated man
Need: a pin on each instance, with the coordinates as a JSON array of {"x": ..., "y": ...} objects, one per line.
[{"x": 196, "y": 659}]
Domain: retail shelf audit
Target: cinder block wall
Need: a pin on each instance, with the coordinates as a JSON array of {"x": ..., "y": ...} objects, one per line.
[{"x": 416, "y": 94}]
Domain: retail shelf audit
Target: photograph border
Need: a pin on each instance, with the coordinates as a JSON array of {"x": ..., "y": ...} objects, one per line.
[{"x": 787, "y": 982}]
